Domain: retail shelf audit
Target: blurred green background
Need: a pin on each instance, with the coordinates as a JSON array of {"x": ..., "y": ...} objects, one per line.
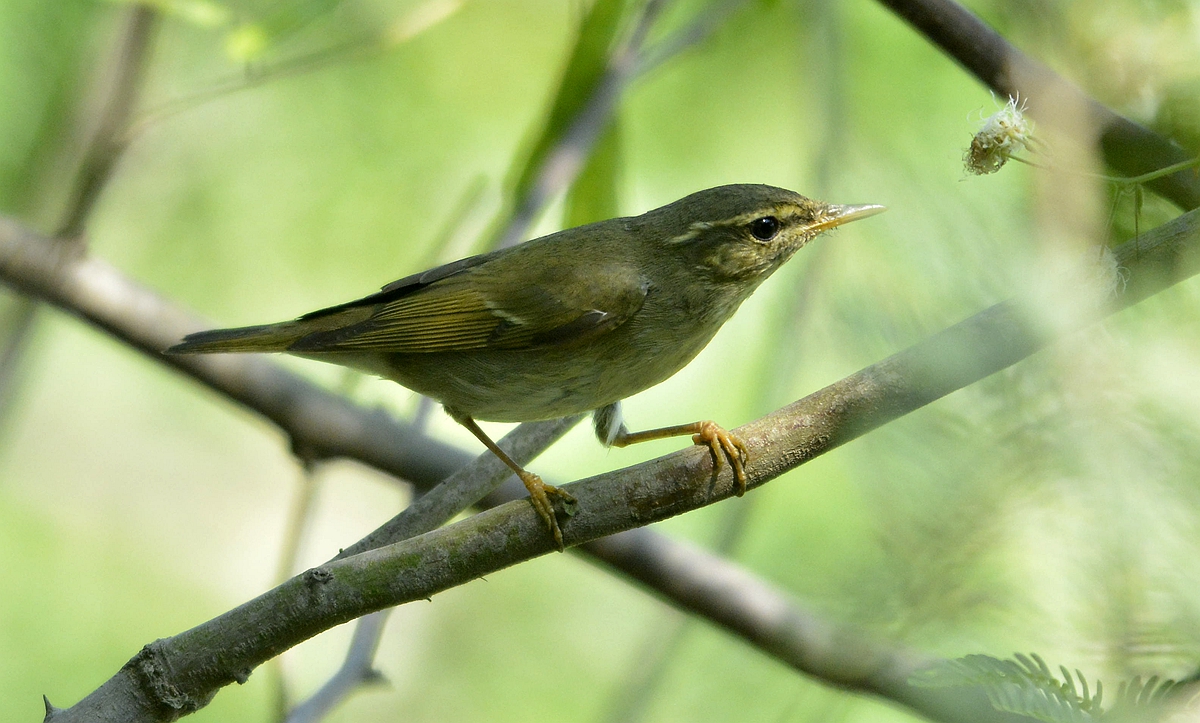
[{"x": 1051, "y": 508}]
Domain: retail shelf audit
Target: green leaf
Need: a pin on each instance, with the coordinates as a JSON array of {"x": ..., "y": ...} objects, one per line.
[
  {"x": 589, "y": 59},
  {"x": 585, "y": 69}
]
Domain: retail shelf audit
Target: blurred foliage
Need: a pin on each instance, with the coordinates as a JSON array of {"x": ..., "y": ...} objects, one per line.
[
  {"x": 338, "y": 145},
  {"x": 1025, "y": 685}
]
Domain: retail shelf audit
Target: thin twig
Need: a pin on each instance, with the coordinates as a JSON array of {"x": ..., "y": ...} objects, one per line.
[
  {"x": 458, "y": 492},
  {"x": 108, "y": 140},
  {"x": 193, "y": 665},
  {"x": 357, "y": 670},
  {"x": 567, "y": 157},
  {"x": 704, "y": 25},
  {"x": 23, "y": 315},
  {"x": 466, "y": 487},
  {"x": 289, "y": 553},
  {"x": 94, "y": 170}
]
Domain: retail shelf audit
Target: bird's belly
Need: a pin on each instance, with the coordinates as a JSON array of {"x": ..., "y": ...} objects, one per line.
[{"x": 527, "y": 385}]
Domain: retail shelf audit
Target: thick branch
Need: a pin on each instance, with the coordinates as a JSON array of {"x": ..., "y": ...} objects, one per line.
[
  {"x": 1128, "y": 147},
  {"x": 194, "y": 664}
]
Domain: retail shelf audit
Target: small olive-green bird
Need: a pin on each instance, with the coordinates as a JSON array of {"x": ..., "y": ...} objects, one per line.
[{"x": 570, "y": 322}]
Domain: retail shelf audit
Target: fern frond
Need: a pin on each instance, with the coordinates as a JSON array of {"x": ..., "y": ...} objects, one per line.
[{"x": 1024, "y": 685}]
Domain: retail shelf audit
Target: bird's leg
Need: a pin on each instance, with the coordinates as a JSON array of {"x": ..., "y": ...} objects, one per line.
[
  {"x": 612, "y": 432},
  {"x": 539, "y": 492}
]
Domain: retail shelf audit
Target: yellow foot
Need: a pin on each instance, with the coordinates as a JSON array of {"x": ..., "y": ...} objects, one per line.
[
  {"x": 727, "y": 444},
  {"x": 540, "y": 494}
]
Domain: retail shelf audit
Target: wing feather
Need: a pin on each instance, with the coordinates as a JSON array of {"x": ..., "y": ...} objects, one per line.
[{"x": 475, "y": 308}]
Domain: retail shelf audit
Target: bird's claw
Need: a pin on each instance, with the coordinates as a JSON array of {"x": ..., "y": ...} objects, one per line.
[
  {"x": 723, "y": 443},
  {"x": 540, "y": 494}
]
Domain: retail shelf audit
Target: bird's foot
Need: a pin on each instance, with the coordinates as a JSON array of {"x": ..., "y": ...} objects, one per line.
[
  {"x": 723, "y": 443},
  {"x": 540, "y": 494}
]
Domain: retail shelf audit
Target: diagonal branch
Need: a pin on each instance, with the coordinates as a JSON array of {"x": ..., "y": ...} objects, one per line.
[
  {"x": 566, "y": 144},
  {"x": 1128, "y": 147},
  {"x": 193, "y": 665},
  {"x": 320, "y": 424}
]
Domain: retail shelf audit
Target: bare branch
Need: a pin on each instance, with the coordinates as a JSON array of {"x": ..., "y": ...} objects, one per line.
[
  {"x": 705, "y": 24},
  {"x": 1128, "y": 147},
  {"x": 320, "y": 424},
  {"x": 95, "y": 168},
  {"x": 568, "y": 155},
  {"x": 713, "y": 588},
  {"x": 357, "y": 669}
]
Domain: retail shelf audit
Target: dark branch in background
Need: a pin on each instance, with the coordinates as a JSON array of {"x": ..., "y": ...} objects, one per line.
[
  {"x": 1128, "y": 147},
  {"x": 459, "y": 491},
  {"x": 195, "y": 664},
  {"x": 725, "y": 594}
]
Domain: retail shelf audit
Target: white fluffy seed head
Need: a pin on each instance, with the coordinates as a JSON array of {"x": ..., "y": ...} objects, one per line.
[{"x": 1004, "y": 133}]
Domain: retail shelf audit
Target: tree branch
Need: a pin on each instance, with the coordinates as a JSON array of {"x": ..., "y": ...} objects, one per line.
[
  {"x": 557, "y": 167},
  {"x": 1128, "y": 147},
  {"x": 715, "y": 589},
  {"x": 320, "y": 424}
]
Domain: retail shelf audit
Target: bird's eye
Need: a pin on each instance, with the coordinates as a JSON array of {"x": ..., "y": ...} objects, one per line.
[{"x": 765, "y": 228}]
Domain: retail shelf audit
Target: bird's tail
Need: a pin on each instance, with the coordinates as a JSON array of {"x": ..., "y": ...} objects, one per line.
[{"x": 265, "y": 338}]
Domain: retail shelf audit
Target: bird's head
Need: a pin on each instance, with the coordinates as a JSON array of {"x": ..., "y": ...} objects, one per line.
[{"x": 742, "y": 233}]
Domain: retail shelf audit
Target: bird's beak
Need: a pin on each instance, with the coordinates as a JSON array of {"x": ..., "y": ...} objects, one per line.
[{"x": 836, "y": 215}]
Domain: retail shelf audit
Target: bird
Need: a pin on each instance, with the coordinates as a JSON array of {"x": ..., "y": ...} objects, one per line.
[{"x": 571, "y": 322}]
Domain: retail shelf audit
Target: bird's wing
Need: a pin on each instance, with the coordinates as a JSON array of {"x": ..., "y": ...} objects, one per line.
[
  {"x": 404, "y": 287},
  {"x": 480, "y": 307}
]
